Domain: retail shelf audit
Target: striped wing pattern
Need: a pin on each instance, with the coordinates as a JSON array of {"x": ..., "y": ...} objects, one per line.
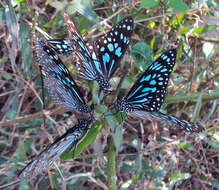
[
  {"x": 148, "y": 93},
  {"x": 60, "y": 84},
  {"x": 48, "y": 156}
]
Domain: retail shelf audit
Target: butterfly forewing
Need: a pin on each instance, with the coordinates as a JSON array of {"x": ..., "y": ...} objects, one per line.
[
  {"x": 149, "y": 91},
  {"x": 60, "y": 84},
  {"x": 60, "y": 46},
  {"x": 45, "y": 159},
  {"x": 147, "y": 94},
  {"x": 111, "y": 47},
  {"x": 89, "y": 70}
]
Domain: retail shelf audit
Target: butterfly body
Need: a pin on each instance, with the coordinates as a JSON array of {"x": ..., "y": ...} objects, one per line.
[
  {"x": 148, "y": 93},
  {"x": 48, "y": 156},
  {"x": 60, "y": 84}
]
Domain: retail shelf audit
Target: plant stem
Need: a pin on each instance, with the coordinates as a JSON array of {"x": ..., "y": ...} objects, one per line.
[
  {"x": 193, "y": 97},
  {"x": 111, "y": 165}
]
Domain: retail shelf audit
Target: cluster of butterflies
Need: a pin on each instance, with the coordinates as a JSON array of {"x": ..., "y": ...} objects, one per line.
[{"x": 98, "y": 61}]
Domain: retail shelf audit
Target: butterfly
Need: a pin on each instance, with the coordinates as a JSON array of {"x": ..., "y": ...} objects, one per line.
[
  {"x": 99, "y": 59},
  {"x": 60, "y": 84},
  {"x": 48, "y": 156},
  {"x": 148, "y": 93}
]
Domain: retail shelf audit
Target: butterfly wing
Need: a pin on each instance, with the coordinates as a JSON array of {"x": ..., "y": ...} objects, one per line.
[
  {"x": 60, "y": 46},
  {"x": 60, "y": 84},
  {"x": 149, "y": 91},
  {"x": 48, "y": 156},
  {"x": 88, "y": 66},
  {"x": 184, "y": 125},
  {"x": 111, "y": 47}
]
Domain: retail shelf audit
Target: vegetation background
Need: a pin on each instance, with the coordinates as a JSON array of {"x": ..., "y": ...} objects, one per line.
[{"x": 116, "y": 154}]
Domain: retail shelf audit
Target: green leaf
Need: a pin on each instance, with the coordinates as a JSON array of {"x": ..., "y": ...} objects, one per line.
[
  {"x": 158, "y": 173},
  {"x": 197, "y": 109},
  {"x": 184, "y": 29},
  {"x": 11, "y": 114},
  {"x": 212, "y": 143},
  {"x": 178, "y": 176},
  {"x": 177, "y": 5},
  {"x": 214, "y": 183},
  {"x": 11, "y": 21},
  {"x": 112, "y": 122},
  {"x": 24, "y": 35},
  {"x": 58, "y": 5},
  {"x": 139, "y": 161},
  {"x": 143, "y": 54},
  {"x": 179, "y": 17},
  {"x": 184, "y": 145},
  {"x": 2, "y": 10},
  {"x": 6, "y": 76},
  {"x": 118, "y": 137},
  {"x": 204, "y": 29},
  {"x": 87, "y": 139},
  {"x": 23, "y": 185},
  {"x": 83, "y": 7},
  {"x": 149, "y": 3},
  {"x": 20, "y": 152},
  {"x": 142, "y": 49}
]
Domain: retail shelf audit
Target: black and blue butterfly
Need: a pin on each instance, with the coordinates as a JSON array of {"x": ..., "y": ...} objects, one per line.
[
  {"x": 60, "y": 84},
  {"x": 147, "y": 95},
  {"x": 99, "y": 59},
  {"x": 47, "y": 157}
]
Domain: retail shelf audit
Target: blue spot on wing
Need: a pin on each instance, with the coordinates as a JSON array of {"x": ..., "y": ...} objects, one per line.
[
  {"x": 118, "y": 52},
  {"x": 110, "y": 47}
]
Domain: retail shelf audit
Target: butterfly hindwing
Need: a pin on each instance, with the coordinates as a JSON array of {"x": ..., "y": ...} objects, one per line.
[
  {"x": 47, "y": 157},
  {"x": 149, "y": 91},
  {"x": 187, "y": 126},
  {"x": 184, "y": 125}
]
